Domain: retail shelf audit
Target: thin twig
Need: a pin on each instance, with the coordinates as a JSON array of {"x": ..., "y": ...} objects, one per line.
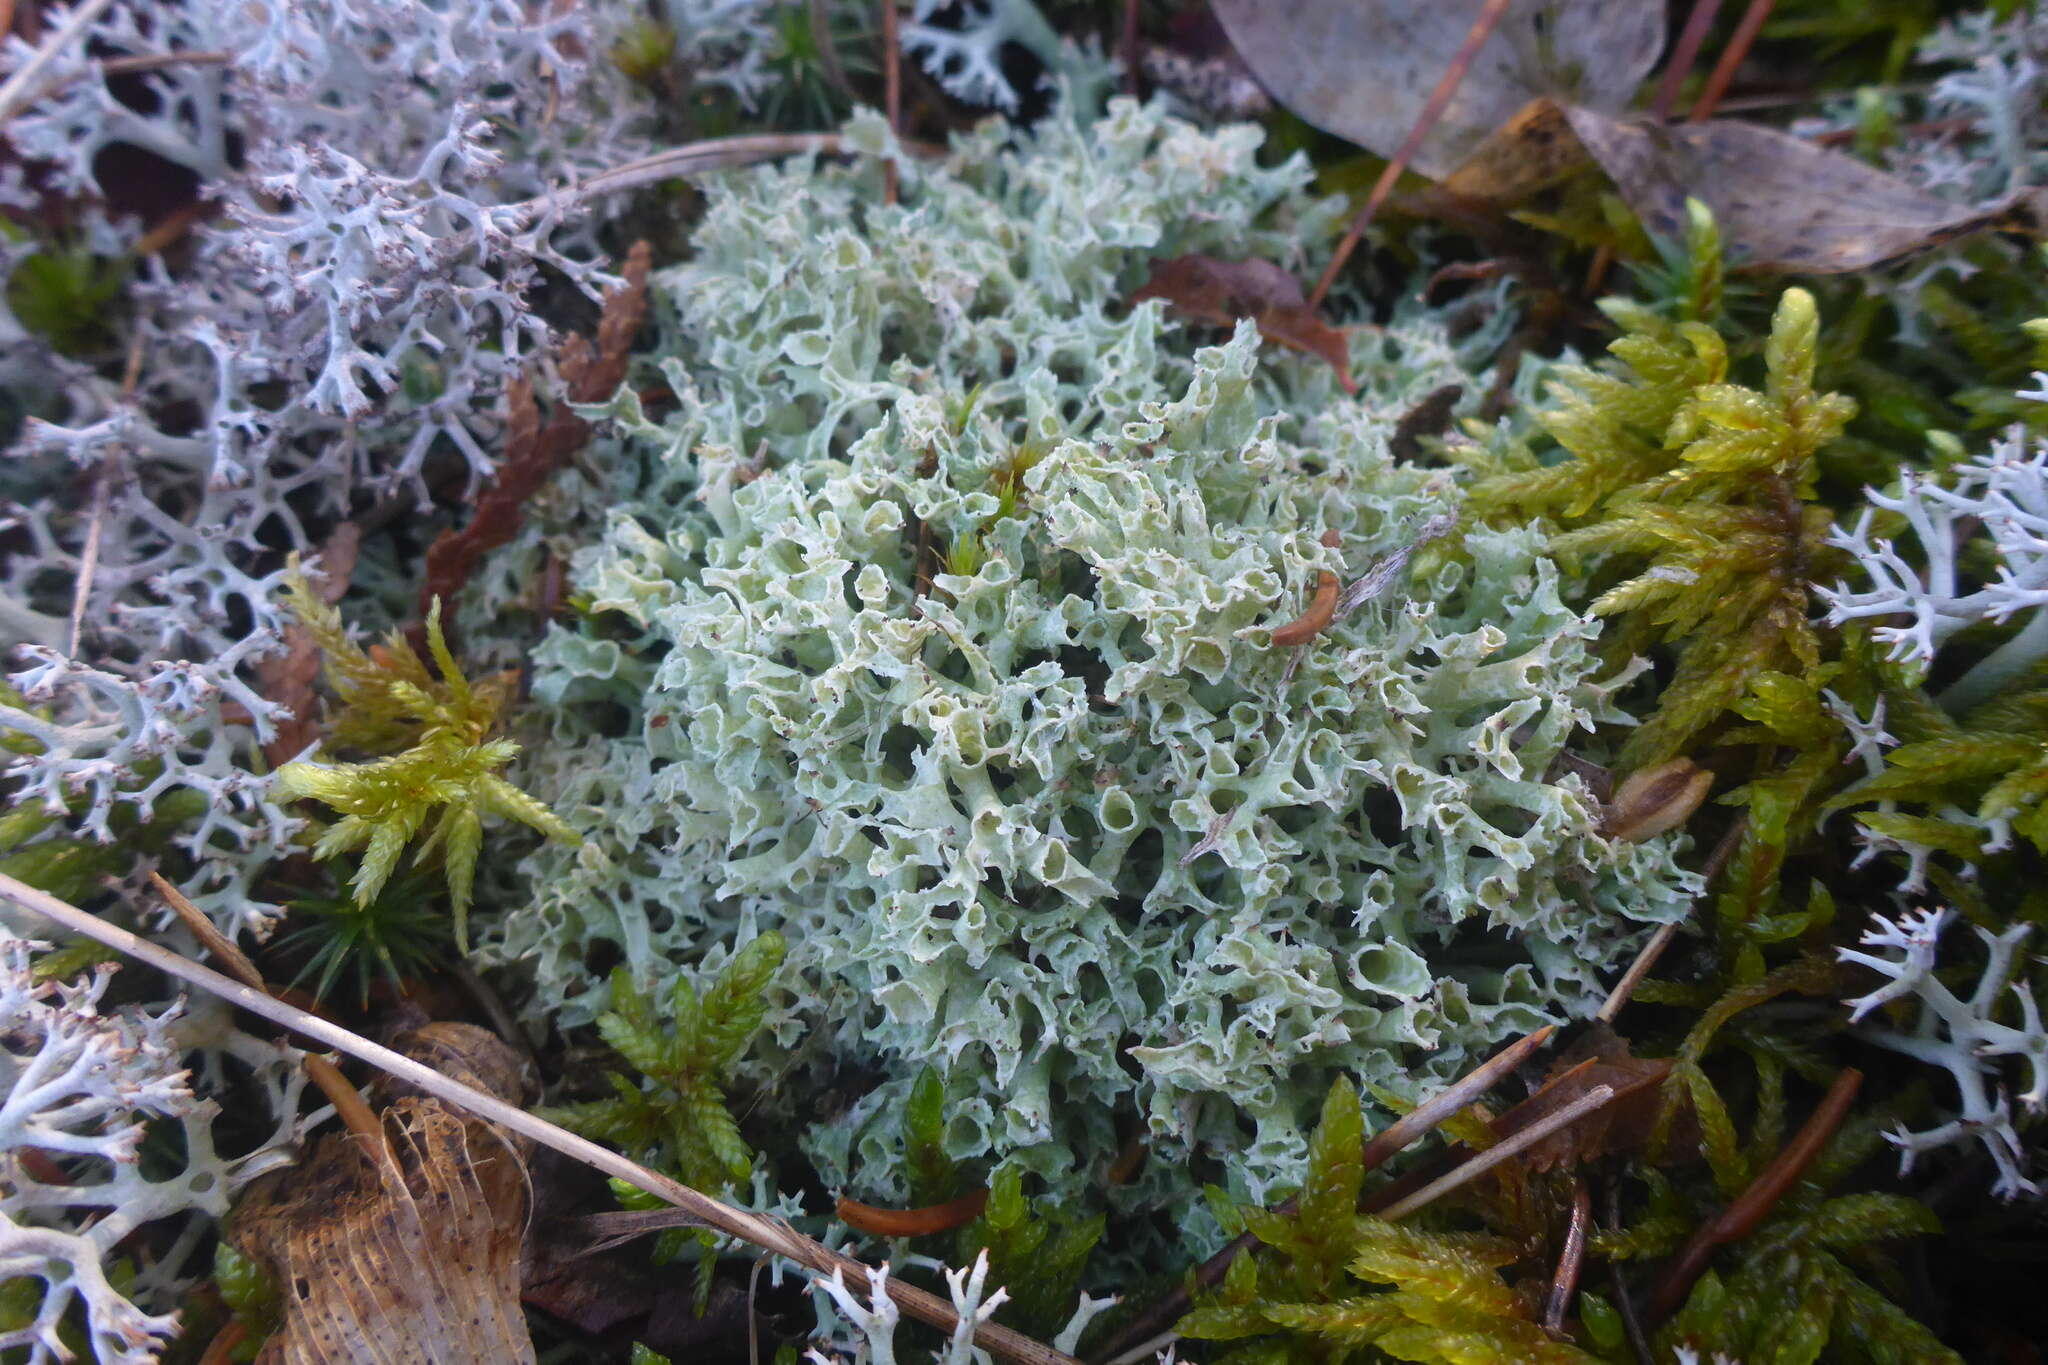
[
  {"x": 689, "y": 159},
  {"x": 1724, "y": 70},
  {"x": 221, "y": 1349},
  {"x": 892, "y": 92},
  {"x": 20, "y": 89},
  {"x": 1439, "y": 100},
  {"x": 1637, "y": 970},
  {"x": 224, "y": 949},
  {"x": 1426, "y": 1116},
  {"x": 102, "y": 488},
  {"x": 1683, "y": 55},
  {"x": 157, "y": 61},
  {"x": 1145, "y": 1350},
  {"x": 135, "y": 65},
  {"x": 1624, "y": 1300},
  {"x": 1740, "y": 1218},
  {"x": 1565, "y": 1284},
  {"x": 1501, "y": 1151},
  {"x": 768, "y": 1233}
]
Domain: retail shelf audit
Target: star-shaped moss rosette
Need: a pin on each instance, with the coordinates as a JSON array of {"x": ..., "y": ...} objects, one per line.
[{"x": 446, "y": 770}]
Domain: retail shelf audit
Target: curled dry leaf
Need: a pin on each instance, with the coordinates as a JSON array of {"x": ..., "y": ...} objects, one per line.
[
  {"x": 1322, "y": 609},
  {"x": 535, "y": 451},
  {"x": 880, "y": 1222},
  {"x": 1220, "y": 292},
  {"x": 1781, "y": 203},
  {"x": 411, "y": 1254},
  {"x": 1364, "y": 69}
]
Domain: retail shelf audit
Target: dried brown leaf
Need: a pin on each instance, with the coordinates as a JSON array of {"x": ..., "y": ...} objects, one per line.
[
  {"x": 1600, "y": 1058},
  {"x": 1781, "y": 203},
  {"x": 1220, "y": 292},
  {"x": 1364, "y": 69},
  {"x": 533, "y": 451},
  {"x": 411, "y": 1254},
  {"x": 1428, "y": 418},
  {"x": 1532, "y": 150}
]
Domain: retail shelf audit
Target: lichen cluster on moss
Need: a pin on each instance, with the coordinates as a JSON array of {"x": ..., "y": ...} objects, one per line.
[{"x": 1068, "y": 827}]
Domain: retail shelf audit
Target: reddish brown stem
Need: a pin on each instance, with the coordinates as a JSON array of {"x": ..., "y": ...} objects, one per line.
[
  {"x": 1565, "y": 1284},
  {"x": 892, "y": 92},
  {"x": 1683, "y": 55},
  {"x": 1740, "y": 1218},
  {"x": 221, "y": 1349},
  {"x": 879, "y": 1222},
  {"x": 1724, "y": 70},
  {"x": 1439, "y": 100}
]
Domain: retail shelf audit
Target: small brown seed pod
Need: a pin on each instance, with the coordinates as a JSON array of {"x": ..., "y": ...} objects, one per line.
[{"x": 1655, "y": 800}]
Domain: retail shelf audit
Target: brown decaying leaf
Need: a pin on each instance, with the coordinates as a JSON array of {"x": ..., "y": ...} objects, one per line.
[
  {"x": 1220, "y": 292},
  {"x": 533, "y": 451},
  {"x": 1600, "y": 1057},
  {"x": 411, "y": 1254},
  {"x": 1364, "y": 69},
  {"x": 1781, "y": 203},
  {"x": 291, "y": 677}
]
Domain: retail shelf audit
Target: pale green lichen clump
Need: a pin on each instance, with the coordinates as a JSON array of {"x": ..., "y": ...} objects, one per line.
[{"x": 1066, "y": 827}]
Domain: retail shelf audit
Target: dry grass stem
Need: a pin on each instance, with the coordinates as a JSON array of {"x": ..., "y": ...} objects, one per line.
[
  {"x": 1501, "y": 1151},
  {"x": 349, "y": 1105}
]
